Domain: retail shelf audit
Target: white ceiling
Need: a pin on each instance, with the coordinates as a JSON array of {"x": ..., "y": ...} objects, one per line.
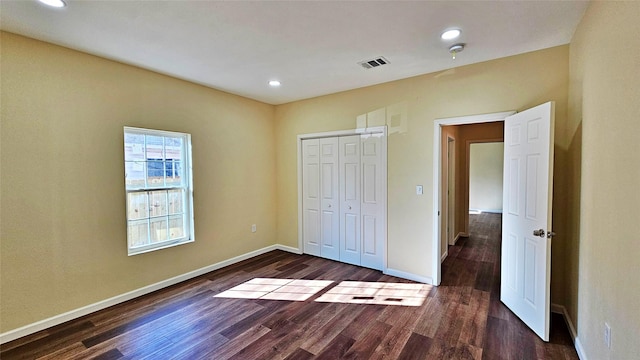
[{"x": 312, "y": 47}]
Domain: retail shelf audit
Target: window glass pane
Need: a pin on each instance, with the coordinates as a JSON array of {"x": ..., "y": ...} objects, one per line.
[
  {"x": 138, "y": 233},
  {"x": 173, "y": 148},
  {"x": 134, "y": 147},
  {"x": 134, "y": 174},
  {"x": 155, "y": 147},
  {"x": 137, "y": 206},
  {"x": 155, "y": 173},
  {"x": 157, "y": 203},
  {"x": 175, "y": 201},
  {"x": 173, "y": 171},
  {"x": 176, "y": 226},
  {"x": 158, "y": 229}
]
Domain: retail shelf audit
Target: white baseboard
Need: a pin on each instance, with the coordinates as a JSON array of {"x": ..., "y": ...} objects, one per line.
[
  {"x": 557, "y": 309},
  {"x": 458, "y": 236},
  {"x": 85, "y": 310},
  {"x": 560, "y": 309},
  {"x": 287, "y": 249},
  {"x": 479, "y": 211},
  {"x": 408, "y": 276},
  {"x": 580, "y": 350},
  {"x": 444, "y": 256}
]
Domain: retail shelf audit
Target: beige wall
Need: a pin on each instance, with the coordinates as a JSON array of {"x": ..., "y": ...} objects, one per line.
[
  {"x": 485, "y": 176},
  {"x": 514, "y": 83},
  {"x": 62, "y": 230},
  {"x": 602, "y": 267}
]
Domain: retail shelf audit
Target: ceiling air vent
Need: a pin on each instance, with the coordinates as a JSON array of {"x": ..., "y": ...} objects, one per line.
[{"x": 368, "y": 64}]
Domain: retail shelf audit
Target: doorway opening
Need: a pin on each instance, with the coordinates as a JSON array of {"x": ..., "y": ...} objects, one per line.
[
  {"x": 444, "y": 129},
  {"x": 472, "y": 182}
]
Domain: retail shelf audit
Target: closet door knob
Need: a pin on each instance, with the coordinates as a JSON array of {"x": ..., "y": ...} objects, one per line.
[{"x": 349, "y": 207}]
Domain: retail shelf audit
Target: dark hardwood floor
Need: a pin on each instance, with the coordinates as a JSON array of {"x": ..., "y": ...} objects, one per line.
[{"x": 461, "y": 319}]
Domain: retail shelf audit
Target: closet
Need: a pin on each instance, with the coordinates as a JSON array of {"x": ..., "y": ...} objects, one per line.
[{"x": 343, "y": 181}]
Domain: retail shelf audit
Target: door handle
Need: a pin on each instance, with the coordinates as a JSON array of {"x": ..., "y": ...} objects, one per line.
[
  {"x": 539, "y": 232},
  {"x": 551, "y": 234}
]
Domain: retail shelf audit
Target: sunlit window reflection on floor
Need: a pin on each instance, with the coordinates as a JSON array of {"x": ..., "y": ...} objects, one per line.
[
  {"x": 349, "y": 292},
  {"x": 276, "y": 289},
  {"x": 378, "y": 293}
]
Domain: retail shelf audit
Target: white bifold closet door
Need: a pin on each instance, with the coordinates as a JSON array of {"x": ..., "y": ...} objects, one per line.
[
  {"x": 350, "y": 244},
  {"x": 329, "y": 207},
  {"x": 343, "y": 204},
  {"x": 311, "y": 196},
  {"x": 320, "y": 197},
  {"x": 372, "y": 205}
]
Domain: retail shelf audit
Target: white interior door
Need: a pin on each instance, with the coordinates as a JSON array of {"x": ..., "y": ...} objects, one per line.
[
  {"x": 329, "y": 192},
  {"x": 350, "y": 199},
  {"x": 311, "y": 196},
  {"x": 526, "y": 217},
  {"x": 372, "y": 207}
]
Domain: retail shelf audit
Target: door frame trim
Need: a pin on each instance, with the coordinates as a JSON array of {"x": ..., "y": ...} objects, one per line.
[
  {"x": 361, "y": 131},
  {"x": 447, "y": 210},
  {"x": 437, "y": 174}
]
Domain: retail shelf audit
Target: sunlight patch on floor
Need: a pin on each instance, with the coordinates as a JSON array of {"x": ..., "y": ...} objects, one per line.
[
  {"x": 276, "y": 289},
  {"x": 378, "y": 293},
  {"x": 348, "y": 292}
]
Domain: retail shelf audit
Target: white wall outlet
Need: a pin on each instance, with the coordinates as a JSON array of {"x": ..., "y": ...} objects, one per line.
[
  {"x": 254, "y": 228},
  {"x": 419, "y": 189},
  {"x": 607, "y": 335}
]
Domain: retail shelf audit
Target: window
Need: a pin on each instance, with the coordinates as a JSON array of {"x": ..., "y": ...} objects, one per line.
[{"x": 157, "y": 172}]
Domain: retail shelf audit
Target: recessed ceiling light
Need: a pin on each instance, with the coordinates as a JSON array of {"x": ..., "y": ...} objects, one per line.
[
  {"x": 450, "y": 34},
  {"x": 54, "y": 3},
  {"x": 274, "y": 83}
]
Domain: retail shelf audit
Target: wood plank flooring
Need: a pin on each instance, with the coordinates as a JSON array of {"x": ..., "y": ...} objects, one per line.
[{"x": 461, "y": 319}]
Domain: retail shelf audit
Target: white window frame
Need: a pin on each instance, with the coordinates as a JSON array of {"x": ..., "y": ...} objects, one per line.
[{"x": 187, "y": 185}]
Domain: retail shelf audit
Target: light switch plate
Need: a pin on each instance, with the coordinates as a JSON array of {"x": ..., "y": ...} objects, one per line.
[{"x": 419, "y": 189}]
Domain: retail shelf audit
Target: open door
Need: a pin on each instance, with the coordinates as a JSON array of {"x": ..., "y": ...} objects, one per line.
[{"x": 526, "y": 218}]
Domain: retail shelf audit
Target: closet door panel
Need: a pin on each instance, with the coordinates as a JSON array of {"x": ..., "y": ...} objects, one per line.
[
  {"x": 330, "y": 194},
  {"x": 372, "y": 210},
  {"x": 369, "y": 235},
  {"x": 311, "y": 196},
  {"x": 349, "y": 159},
  {"x": 351, "y": 238}
]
